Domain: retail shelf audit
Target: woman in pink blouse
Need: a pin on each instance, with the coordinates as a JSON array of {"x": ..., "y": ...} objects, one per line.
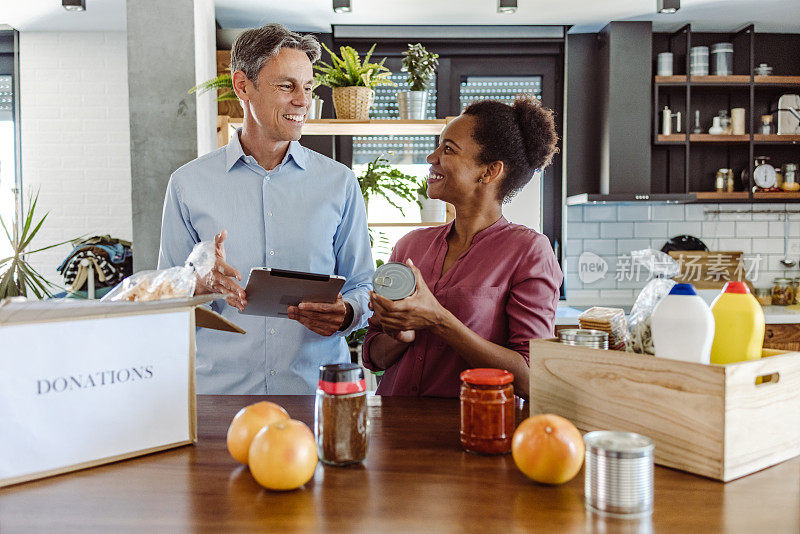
[{"x": 485, "y": 286}]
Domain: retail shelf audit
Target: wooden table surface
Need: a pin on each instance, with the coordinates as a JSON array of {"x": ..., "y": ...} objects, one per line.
[{"x": 416, "y": 479}]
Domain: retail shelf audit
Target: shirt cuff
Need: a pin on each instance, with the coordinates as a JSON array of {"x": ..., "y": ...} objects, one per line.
[{"x": 356, "y": 318}]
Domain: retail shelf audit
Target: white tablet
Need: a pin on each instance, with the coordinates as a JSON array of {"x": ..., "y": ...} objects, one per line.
[{"x": 270, "y": 291}]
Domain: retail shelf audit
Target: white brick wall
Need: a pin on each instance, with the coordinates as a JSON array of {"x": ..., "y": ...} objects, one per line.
[
  {"x": 75, "y": 137},
  {"x": 613, "y": 235}
]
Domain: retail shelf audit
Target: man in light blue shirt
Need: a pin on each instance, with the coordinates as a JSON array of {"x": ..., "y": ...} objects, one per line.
[{"x": 269, "y": 202}]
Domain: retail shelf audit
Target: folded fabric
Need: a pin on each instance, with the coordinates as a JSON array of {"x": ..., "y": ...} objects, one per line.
[
  {"x": 116, "y": 253},
  {"x": 75, "y": 274}
]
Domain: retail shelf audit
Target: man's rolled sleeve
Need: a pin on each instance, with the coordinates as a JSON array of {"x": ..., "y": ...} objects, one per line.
[{"x": 354, "y": 257}]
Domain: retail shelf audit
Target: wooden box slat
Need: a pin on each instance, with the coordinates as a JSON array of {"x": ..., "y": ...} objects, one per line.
[{"x": 711, "y": 420}]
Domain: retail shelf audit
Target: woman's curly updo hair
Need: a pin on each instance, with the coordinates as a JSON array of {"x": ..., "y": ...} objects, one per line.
[{"x": 522, "y": 136}]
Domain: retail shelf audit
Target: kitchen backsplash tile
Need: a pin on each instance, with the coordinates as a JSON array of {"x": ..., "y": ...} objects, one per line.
[
  {"x": 752, "y": 229},
  {"x": 650, "y": 229},
  {"x": 667, "y": 212},
  {"x": 600, "y": 213},
  {"x": 606, "y": 276},
  {"x": 616, "y": 230},
  {"x": 626, "y": 212}
]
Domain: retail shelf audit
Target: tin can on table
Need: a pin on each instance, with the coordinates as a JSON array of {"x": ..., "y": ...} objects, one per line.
[
  {"x": 619, "y": 473},
  {"x": 394, "y": 281},
  {"x": 596, "y": 339}
]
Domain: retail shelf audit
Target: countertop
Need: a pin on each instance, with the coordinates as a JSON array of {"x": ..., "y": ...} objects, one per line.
[{"x": 416, "y": 478}]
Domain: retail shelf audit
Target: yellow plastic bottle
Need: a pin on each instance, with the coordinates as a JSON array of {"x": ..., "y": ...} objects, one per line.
[{"x": 739, "y": 333}]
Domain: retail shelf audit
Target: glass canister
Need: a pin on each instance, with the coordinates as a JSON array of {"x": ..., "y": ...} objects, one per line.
[
  {"x": 782, "y": 292},
  {"x": 340, "y": 414},
  {"x": 487, "y": 411},
  {"x": 764, "y": 296},
  {"x": 796, "y": 290}
]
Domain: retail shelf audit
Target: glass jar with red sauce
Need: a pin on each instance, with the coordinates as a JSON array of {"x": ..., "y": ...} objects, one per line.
[{"x": 487, "y": 410}]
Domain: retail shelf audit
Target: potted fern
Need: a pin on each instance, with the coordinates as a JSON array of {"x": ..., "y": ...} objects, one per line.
[
  {"x": 420, "y": 66},
  {"x": 380, "y": 179},
  {"x": 352, "y": 81}
]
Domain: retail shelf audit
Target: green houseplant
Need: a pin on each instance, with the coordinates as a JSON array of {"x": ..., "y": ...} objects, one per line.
[
  {"x": 420, "y": 66},
  {"x": 223, "y": 81},
  {"x": 380, "y": 179},
  {"x": 352, "y": 81},
  {"x": 18, "y": 277}
]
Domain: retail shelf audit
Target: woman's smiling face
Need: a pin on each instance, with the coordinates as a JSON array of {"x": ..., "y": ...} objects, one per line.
[{"x": 455, "y": 169}]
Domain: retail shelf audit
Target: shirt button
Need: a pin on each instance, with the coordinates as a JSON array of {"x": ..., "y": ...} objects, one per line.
[
  {"x": 273, "y": 372},
  {"x": 266, "y": 178},
  {"x": 272, "y": 331},
  {"x": 271, "y": 252},
  {"x": 419, "y": 358},
  {"x": 269, "y": 214}
]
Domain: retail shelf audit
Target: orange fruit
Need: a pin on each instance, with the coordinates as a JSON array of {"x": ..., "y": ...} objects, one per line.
[
  {"x": 548, "y": 449},
  {"x": 247, "y": 423},
  {"x": 283, "y": 455}
]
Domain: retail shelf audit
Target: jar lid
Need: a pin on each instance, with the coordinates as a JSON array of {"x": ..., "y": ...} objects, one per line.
[
  {"x": 683, "y": 289},
  {"x": 782, "y": 281},
  {"x": 736, "y": 287},
  {"x": 487, "y": 377},
  {"x": 394, "y": 280},
  {"x": 618, "y": 444},
  {"x": 341, "y": 378}
]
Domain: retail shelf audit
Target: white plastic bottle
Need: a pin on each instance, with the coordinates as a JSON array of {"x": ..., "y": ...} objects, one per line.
[{"x": 683, "y": 326}]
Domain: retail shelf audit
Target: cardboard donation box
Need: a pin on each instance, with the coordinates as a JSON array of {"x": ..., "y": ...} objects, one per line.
[
  {"x": 719, "y": 421},
  {"x": 83, "y": 383}
]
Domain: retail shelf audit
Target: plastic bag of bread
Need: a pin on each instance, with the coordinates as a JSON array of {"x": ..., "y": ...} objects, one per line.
[
  {"x": 662, "y": 269},
  {"x": 172, "y": 283}
]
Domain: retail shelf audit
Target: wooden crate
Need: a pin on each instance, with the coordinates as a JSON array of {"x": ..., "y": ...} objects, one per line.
[{"x": 712, "y": 420}]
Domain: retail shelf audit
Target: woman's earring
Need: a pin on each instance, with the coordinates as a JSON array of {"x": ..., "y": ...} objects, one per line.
[{"x": 480, "y": 180}]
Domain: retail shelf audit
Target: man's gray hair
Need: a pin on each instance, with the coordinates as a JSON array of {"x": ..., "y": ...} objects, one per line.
[{"x": 256, "y": 46}]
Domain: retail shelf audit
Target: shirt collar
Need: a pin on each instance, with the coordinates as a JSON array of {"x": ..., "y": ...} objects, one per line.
[
  {"x": 234, "y": 152},
  {"x": 502, "y": 222}
]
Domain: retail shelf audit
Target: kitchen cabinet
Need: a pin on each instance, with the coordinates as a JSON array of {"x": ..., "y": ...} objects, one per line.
[{"x": 687, "y": 162}]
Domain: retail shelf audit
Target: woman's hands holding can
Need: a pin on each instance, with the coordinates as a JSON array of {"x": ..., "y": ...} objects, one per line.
[{"x": 419, "y": 311}]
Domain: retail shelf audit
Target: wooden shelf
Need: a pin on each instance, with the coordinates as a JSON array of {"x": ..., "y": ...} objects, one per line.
[
  {"x": 670, "y": 80},
  {"x": 721, "y": 80},
  {"x": 708, "y": 138},
  {"x": 369, "y": 127},
  {"x": 728, "y": 80},
  {"x": 786, "y": 195},
  {"x": 777, "y": 80},
  {"x": 403, "y": 224},
  {"x": 776, "y": 139},
  {"x": 671, "y": 139},
  {"x": 713, "y": 195},
  {"x": 703, "y": 80}
]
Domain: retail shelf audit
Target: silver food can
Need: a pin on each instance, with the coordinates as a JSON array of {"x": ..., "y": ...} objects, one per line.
[
  {"x": 394, "y": 281},
  {"x": 596, "y": 339},
  {"x": 619, "y": 473}
]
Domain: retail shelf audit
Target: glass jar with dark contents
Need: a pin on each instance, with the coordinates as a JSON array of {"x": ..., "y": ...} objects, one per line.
[
  {"x": 340, "y": 414},
  {"x": 487, "y": 410}
]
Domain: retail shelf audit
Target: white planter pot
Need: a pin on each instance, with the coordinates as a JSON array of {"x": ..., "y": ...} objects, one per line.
[{"x": 433, "y": 210}]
